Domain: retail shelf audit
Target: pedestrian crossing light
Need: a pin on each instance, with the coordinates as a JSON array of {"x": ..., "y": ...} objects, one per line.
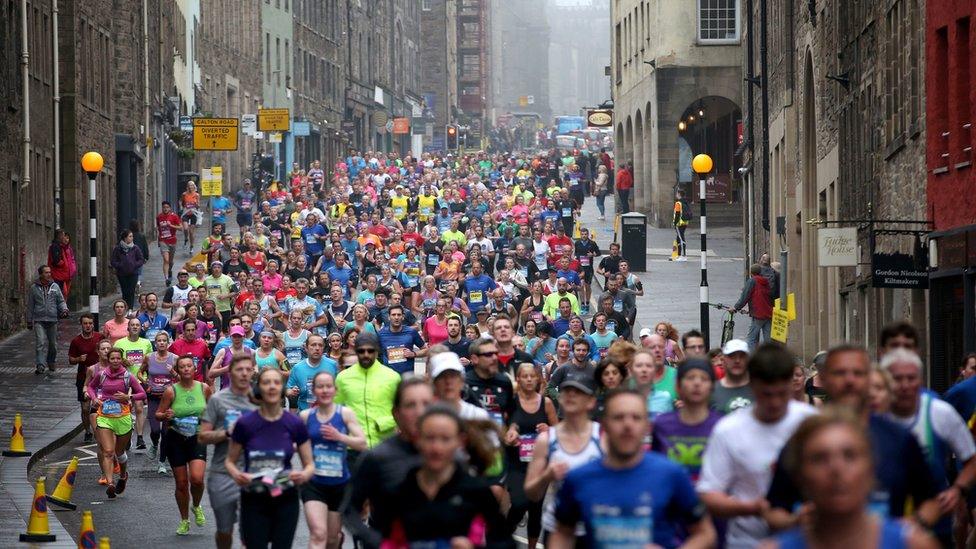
[
  {"x": 702, "y": 164},
  {"x": 452, "y": 137}
]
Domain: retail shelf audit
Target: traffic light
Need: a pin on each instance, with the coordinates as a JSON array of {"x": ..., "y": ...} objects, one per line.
[{"x": 452, "y": 137}]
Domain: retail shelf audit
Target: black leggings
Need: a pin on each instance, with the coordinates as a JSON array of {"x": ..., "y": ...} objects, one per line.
[
  {"x": 515, "y": 482},
  {"x": 155, "y": 426},
  {"x": 127, "y": 286},
  {"x": 265, "y": 519}
]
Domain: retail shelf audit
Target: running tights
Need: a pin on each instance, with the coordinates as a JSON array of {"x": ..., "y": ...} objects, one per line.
[
  {"x": 265, "y": 519},
  {"x": 521, "y": 504},
  {"x": 155, "y": 427}
]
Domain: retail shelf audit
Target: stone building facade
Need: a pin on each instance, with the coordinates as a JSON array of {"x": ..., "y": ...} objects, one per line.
[
  {"x": 438, "y": 73},
  {"x": 846, "y": 132},
  {"x": 666, "y": 66}
]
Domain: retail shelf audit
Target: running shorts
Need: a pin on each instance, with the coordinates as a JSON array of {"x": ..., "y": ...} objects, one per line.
[
  {"x": 181, "y": 450},
  {"x": 167, "y": 248},
  {"x": 224, "y": 495},
  {"x": 121, "y": 426},
  {"x": 329, "y": 494}
]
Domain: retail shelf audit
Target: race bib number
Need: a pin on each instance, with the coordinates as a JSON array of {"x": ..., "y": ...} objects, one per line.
[
  {"x": 433, "y": 259},
  {"x": 111, "y": 408},
  {"x": 540, "y": 261},
  {"x": 164, "y": 232},
  {"x": 525, "y": 272},
  {"x": 328, "y": 461},
  {"x": 398, "y": 211},
  {"x": 293, "y": 354},
  {"x": 310, "y": 397},
  {"x": 475, "y": 297},
  {"x": 567, "y": 212},
  {"x": 395, "y": 355},
  {"x": 135, "y": 357},
  {"x": 497, "y": 418},
  {"x": 151, "y": 334},
  {"x": 618, "y": 305},
  {"x": 612, "y": 326},
  {"x": 310, "y": 239},
  {"x": 230, "y": 419},
  {"x": 584, "y": 260},
  {"x": 526, "y": 447},
  {"x": 613, "y": 528},
  {"x": 186, "y": 426},
  {"x": 425, "y": 211},
  {"x": 245, "y": 204},
  {"x": 159, "y": 383},
  {"x": 265, "y": 462}
]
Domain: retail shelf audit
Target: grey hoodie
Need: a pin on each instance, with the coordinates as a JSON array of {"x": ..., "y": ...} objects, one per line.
[{"x": 45, "y": 304}]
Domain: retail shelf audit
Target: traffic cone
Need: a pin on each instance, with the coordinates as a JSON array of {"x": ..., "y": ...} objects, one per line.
[
  {"x": 576, "y": 231},
  {"x": 104, "y": 544},
  {"x": 17, "y": 448},
  {"x": 37, "y": 527},
  {"x": 674, "y": 250},
  {"x": 62, "y": 493},
  {"x": 86, "y": 540}
]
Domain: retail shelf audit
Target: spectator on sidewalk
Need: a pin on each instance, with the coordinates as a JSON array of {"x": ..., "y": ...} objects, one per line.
[
  {"x": 756, "y": 294},
  {"x": 61, "y": 259},
  {"x": 623, "y": 183},
  {"x": 45, "y": 305},
  {"x": 126, "y": 261}
]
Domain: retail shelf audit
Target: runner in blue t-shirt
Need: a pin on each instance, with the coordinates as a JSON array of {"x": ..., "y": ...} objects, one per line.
[
  {"x": 219, "y": 206},
  {"x": 302, "y": 375},
  {"x": 630, "y": 498},
  {"x": 476, "y": 286},
  {"x": 400, "y": 344}
]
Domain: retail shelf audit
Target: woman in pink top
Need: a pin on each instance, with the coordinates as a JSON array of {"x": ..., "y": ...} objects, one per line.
[
  {"x": 271, "y": 278},
  {"x": 435, "y": 327},
  {"x": 112, "y": 392},
  {"x": 117, "y": 328}
]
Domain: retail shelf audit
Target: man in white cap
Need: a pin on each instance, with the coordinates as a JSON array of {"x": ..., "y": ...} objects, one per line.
[
  {"x": 733, "y": 391},
  {"x": 645, "y": 337},
  {"x": 448, "y": 376}
]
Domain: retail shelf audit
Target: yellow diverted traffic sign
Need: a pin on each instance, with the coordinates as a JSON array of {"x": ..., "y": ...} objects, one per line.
[
  {"x": 273, "y": 120},
  {"x": 790, "y": 305},
  {"x": 215, "y": 134}
]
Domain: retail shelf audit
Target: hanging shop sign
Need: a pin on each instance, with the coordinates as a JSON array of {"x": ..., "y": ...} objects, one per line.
[
  {"x": 599, "y": 118},
  {"x": 837, "y": 247},
  {"x": 898, "y": 270}
]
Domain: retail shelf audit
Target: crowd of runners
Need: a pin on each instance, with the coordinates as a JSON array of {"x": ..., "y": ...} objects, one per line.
[{"x": 433, "y": 352}]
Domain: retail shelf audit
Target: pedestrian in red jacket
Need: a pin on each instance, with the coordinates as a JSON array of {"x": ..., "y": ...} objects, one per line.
[
  {"x": 756, "y": 294},
  {"x": 624, "y": 183},
  {"x": 61, "y": 260}
]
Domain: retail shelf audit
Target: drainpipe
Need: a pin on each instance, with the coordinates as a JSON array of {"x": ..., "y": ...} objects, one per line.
[
  {"x": 764, "y": 91},
  {"x": 25, "y": 75},
  {"x": 145, "y": 97},
  {"x": 57, "y": 117}
]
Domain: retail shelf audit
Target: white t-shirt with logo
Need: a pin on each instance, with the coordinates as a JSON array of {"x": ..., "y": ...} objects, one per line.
[{"x": 738, "y": 461}]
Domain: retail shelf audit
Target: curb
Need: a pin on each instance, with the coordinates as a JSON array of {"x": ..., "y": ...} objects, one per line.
[{"x": 17, "y": 490}]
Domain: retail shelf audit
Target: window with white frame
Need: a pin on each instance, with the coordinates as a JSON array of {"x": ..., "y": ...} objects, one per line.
[
  {"x": 718, "y": 21},
  {"x": 425, "y": 5}
]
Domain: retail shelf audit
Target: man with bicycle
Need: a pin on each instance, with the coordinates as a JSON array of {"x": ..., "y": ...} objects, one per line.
[{"x": 756, "y": 294}]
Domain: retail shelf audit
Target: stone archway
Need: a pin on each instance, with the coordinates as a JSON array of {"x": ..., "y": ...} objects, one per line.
[{"x": 677, "y": 89}]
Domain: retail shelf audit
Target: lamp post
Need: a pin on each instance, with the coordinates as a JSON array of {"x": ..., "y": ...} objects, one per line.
[
  {"x": 92, "y": 163},
  {"x": 702, "y": 165}
]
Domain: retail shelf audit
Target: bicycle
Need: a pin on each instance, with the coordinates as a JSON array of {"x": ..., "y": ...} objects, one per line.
[{"x": 728, "y": 324}]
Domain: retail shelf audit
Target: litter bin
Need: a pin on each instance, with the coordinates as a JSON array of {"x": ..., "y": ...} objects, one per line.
[{"x": 633, "y": 240}]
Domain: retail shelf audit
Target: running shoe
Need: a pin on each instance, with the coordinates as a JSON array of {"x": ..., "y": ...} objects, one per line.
[
  {"x": 39, "y": 369},
  {"x": 50, "y": 368},
  {"x": 162, "y": 469},
  {"x": 120, "y": 485},
  {"x": 169, "y": 282},
  {"x": 140, "y": 444},
  {"x": 89, "y": 437},
  {"x": 111, "y": 491},
  {"x": 199, "y": 516},
  {"x": 103, "y": 481},
  {"x": 152, "y": 450},
  {"x": 183, "y": 529},
  {"x": 117, "y": 469}
]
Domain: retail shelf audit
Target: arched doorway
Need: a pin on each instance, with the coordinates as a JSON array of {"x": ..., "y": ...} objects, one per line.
[
  {"x": 712, "y": 125},
  {"x": 639, "y": 167}
]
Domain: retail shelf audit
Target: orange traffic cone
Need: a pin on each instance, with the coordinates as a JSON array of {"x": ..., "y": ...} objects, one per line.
[
  {"x": 674, "y": 250},
  {"x": 17, "y": 448},
  {"x": 104, "y": 544},
  {"x": 62, "y": 493},
  {"x": 37, "y": 527},
  {"x": 86, "y": 540}
]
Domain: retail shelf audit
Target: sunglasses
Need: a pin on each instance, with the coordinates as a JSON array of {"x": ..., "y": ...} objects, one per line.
[
  {"x": 487, "y": 354},
  {"x": 366, "y": 351}
]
